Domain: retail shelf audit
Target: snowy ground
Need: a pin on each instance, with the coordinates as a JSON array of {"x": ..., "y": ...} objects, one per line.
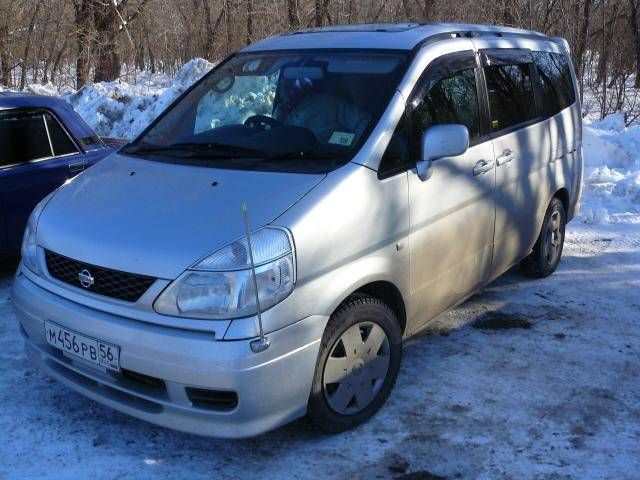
[
  {"x": 556, "y": 396},
  {"x": 528, "y": 379}
]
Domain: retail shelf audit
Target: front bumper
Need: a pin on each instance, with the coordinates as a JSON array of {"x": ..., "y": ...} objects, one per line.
[{"x": 180, "y": 359}]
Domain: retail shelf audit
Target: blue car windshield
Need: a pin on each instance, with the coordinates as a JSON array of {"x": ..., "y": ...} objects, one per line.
[{"x": 296, "y": 110}]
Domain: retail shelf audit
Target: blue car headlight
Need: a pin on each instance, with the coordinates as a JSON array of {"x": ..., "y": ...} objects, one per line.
[{"x": 29, "y": 249}]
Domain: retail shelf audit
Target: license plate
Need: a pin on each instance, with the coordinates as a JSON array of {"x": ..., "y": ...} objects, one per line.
[{"x": 89, "y": 349}]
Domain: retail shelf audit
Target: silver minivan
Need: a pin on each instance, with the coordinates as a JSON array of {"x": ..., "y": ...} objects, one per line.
[{"x": 262, "y": 249}]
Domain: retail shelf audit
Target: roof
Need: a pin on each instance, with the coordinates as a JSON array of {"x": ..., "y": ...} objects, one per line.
[
  {"x": 64, "y": 111},
  {"x": 19, "y": 99},
  {"x": 393, "y": 36}
]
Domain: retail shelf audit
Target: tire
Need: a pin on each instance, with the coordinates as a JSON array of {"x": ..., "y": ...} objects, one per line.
[
  {"x": 547, "y": 251},
  {"x": 359, "y": 325}
]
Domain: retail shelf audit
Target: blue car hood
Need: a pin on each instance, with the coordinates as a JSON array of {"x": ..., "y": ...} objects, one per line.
[{"x": 157, "y": 219}]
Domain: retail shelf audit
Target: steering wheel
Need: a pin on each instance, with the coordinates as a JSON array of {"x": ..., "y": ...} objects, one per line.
[{"x": 262, "y": 121}]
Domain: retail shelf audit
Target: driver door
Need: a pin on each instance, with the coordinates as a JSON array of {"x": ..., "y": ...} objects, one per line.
[{"x": 452, "y": 213}]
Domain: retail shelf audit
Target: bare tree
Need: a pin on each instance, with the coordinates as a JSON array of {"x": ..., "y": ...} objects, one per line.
[{"x": 73, "y": 42}]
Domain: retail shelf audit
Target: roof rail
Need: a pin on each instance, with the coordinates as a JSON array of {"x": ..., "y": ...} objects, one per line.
[{"x": 513, "y": 32}]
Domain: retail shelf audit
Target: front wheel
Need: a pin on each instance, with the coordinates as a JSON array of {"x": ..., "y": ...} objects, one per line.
[
  {"x": 357, "y": 365},
  {"x": 547, "y": 251}
]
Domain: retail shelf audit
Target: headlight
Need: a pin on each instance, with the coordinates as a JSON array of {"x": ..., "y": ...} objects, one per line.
[
  {"x": 29, "y": 250},
  {"x": 221, "y": 287}
]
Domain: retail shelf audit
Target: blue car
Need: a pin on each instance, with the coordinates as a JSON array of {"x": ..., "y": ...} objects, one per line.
[{"x": 43, "y": 143}]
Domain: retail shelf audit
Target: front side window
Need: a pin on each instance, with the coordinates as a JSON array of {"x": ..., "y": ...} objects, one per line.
[
  {"x": 23, "y": 136},
  {"x": 293, "y": 111},
  {"x": 511, "y": 95},
  {"x": 448, "y": 96},
  {"x": 556, "y": 81}
]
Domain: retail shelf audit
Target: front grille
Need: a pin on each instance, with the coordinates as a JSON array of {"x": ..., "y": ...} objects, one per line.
[{"x": 110, "y": 283}]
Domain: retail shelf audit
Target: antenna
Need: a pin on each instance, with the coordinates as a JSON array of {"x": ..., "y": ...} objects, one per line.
[{"x": 263, "y": 343}]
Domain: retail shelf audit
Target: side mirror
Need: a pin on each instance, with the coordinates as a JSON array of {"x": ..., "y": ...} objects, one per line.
[{"x": 441, "y": 141}]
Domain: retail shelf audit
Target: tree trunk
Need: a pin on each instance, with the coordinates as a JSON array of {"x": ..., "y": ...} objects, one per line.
[
  {"x": 581, "y": 44},
  {"x": 27, "y": 48},
  {"x": 318, "y": 13},
  {"x": 227, "y": 24},
  {"x": 209, "y": 43},
  {"x": 507, "y": 13},
  {"x": 292, "y": 13},
  {"x": 635, "y": 29},
  {"x": 56, "y": 62},
  {"x": 83, "y": 21},
  {"x": 107, "y": 25},
  {"x": 5, "y": 57},
  {"x": 249, "y": 22}
]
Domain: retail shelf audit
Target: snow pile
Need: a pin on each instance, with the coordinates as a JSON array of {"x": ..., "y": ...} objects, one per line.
[
  {"x": 116, "y": 109},
  {"x": 47, "y": 89},
  {"x": 611, "y": 191}
]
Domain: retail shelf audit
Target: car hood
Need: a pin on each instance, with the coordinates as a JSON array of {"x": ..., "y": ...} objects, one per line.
[{"x": 156, "y": 218}]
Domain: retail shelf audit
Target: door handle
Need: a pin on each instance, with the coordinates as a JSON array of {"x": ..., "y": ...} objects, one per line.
[
  {"x": 76, "y": 167},
  {"x": 482, "y": 167},
  {"x": 506, "y": 157}
]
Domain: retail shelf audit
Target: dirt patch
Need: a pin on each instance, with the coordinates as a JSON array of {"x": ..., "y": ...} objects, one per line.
[
  {"x": 422, "y": 475},
  {"x": 501, "y": 321}
]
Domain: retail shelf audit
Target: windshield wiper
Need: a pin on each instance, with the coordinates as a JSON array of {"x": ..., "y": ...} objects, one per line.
[
  {"x": 211, "y": 149},
  {"x": 223, "y": 150}
]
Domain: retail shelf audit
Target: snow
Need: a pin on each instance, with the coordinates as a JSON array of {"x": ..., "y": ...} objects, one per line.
[
  {"x": 612, "y": 172},
  {"x": 117, "y": 109},
  {"x": 122, "y": 110},
  {"x": 556, "y": 400},
  {"x": 556, "y": 396}
]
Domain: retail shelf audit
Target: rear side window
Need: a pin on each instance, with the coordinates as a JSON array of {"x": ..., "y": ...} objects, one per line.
[
  {"x": 23, "y": 137},
  {"x": 62, "y": 144},
  {"x": 511, "y": 94},
  {"x": 556, "y": 83},
  {"x": 448, "y": 95}
]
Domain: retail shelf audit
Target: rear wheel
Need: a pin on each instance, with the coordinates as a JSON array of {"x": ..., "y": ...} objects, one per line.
[
  {"x": 357, "y": 364},
  {"x": 547, "y": 251}
]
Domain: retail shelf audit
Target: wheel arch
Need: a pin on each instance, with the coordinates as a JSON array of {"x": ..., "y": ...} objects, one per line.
[
  {"x": 563, "y": 195},
  {"x": 388, "y": 293}
]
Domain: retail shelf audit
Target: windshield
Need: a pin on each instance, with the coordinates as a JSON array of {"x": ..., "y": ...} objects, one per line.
[{"x": 298, "y": 111}]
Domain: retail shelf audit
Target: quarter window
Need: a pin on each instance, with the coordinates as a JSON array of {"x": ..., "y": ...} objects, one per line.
[
  {"x": 62, "y": 144},
  {"x": 23, "y": 137},
  {"x": 511, "y": 96},
  {"x": 396, "y": 156},
  {"x": 556, "y": 82},
  {"x": 449, "y": 96}
]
